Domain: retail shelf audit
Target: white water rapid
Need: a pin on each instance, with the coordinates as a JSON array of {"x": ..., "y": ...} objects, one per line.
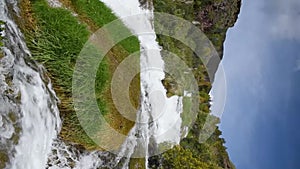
[
  {"x": 159, "y": 118},
  {"x": 29, "y": 117}
]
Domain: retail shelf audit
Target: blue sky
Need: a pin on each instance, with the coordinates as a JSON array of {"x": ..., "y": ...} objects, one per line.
[{"x": 262, "y": 66}]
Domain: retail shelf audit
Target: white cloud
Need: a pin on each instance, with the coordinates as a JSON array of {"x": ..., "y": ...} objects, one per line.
[
  {"x": 287, "y": 27},
  {"x": 286, "y": 22}
]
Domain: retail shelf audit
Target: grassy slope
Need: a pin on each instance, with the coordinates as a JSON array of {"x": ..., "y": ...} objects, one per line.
[{"x": 55, "y": 38}]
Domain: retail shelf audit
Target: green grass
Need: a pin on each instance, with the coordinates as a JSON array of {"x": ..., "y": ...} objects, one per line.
[
  {"x": 57, "y": 41},
  {"x": 94, "y": 10},
  {"x": 97, "y": 15},
  {"x": 101, "y": 15}
]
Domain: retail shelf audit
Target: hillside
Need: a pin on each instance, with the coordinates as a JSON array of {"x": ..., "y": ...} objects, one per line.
[{"x": 213, "y": 18}]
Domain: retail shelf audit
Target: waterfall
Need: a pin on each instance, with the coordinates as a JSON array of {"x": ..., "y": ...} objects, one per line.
[
  {"x": 29, "y": 117},
  {"x": 157, "y": 118}
]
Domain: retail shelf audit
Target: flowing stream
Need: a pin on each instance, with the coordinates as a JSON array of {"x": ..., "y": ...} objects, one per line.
[
  {"x": 29, "y": 117},
  {"x": 158, "y": 120}
]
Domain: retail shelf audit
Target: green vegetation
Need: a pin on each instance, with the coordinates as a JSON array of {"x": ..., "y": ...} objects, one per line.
[
  {"x": 190, "y": 153},
  {"x": 55, "y": 37},
  {"x": 56, "y": 43},
  {"x": 186, "y": 159},
  {"x": 96, "y": 14},
  {"x": 137, "y": 163},
  {"x": 214, "y": 18},
  {"x": 3, "y": 159}
]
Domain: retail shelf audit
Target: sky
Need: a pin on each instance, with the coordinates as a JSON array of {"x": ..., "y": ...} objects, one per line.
[{"x": 262, "y": 66}]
